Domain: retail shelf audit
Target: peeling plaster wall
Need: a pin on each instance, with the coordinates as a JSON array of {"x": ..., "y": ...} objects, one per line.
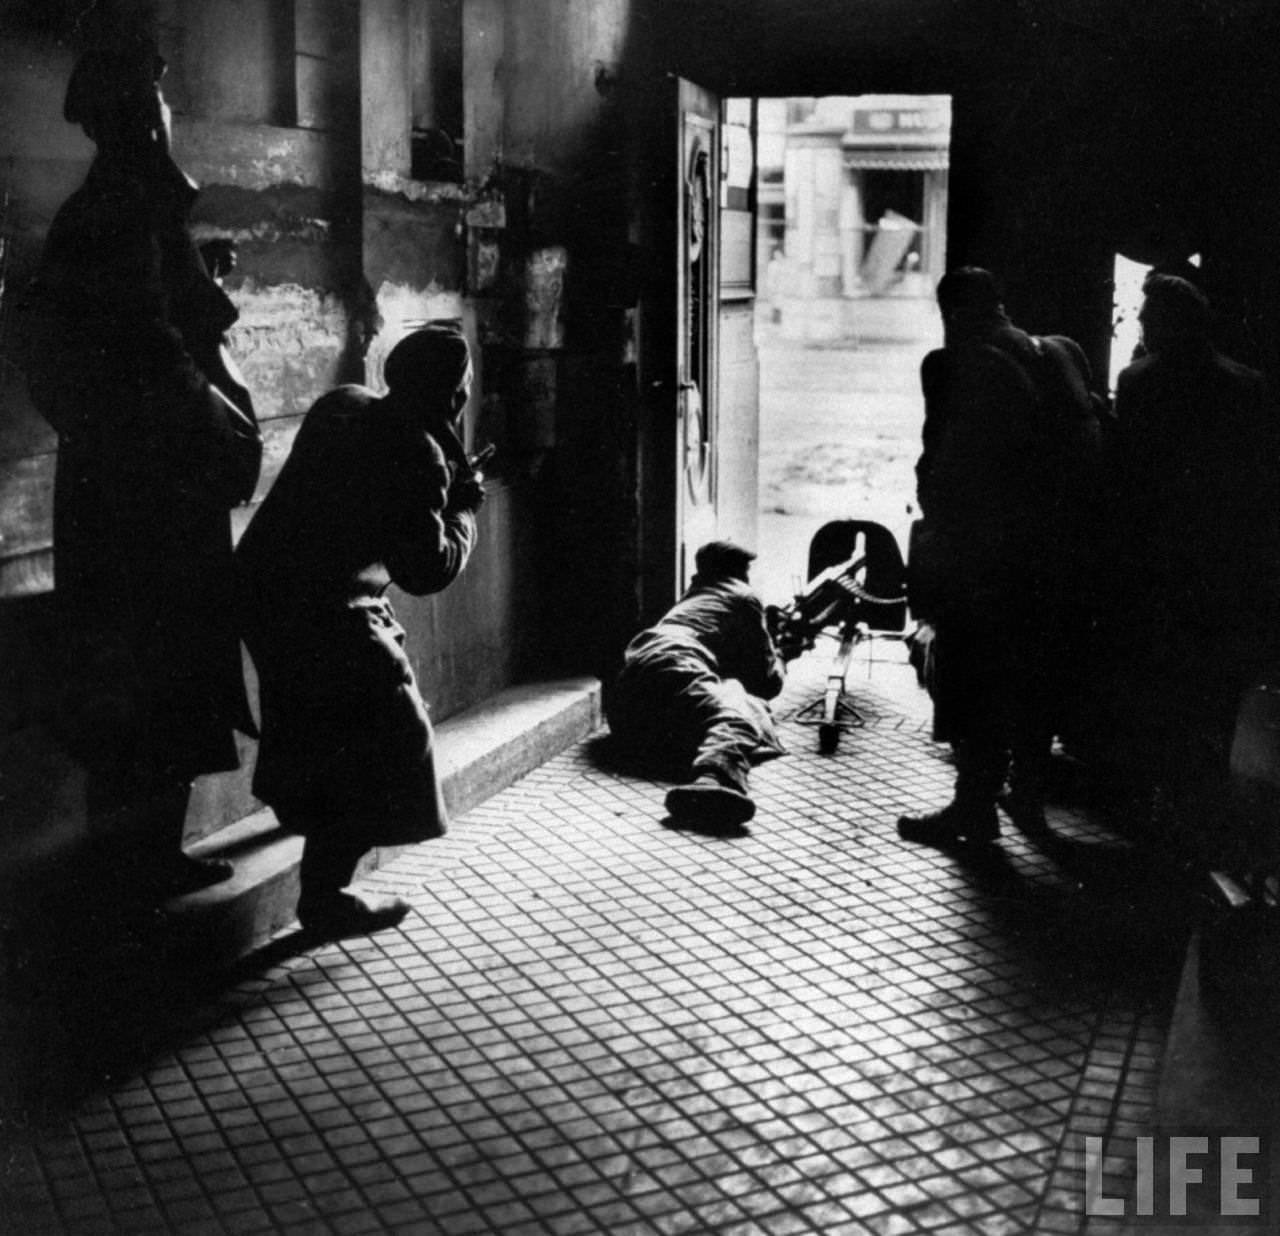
[
  {"x": 476, "y": 637},
  {"x": 473, "y": 639},
  {"x": 288, "y": 342},
  {"x": 413, "y": 245}
]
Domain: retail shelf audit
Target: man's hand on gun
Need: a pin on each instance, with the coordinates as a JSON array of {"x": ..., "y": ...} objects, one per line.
[
  {"x": 466, "y": 493},
  {"x": 790, "y": 637},
  {"x": 827, "y": 600}
]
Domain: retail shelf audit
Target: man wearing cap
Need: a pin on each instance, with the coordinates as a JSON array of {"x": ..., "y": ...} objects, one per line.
[
  {"x": 156, "y": 443},
  {"x": 375, "y": 491},
  {"x": 691, "y": 695},
  {"x": 1006, "y": 484},
  {"x": 1193, "y": 602}
]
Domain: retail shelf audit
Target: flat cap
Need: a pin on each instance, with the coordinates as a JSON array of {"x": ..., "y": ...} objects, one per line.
[{"x": 723, "y": 558}]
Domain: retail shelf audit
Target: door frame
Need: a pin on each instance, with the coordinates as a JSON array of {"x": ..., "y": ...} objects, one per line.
[
  {"x": 697, "y": 291},
  {"x": 664, "y": 537}
]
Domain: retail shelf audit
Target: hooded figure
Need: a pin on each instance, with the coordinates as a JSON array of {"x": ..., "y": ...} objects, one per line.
[
  {"x": 156, "y": 442},
  {"x": 691, "y": 695},
  {"x": 375, "y": 491}
]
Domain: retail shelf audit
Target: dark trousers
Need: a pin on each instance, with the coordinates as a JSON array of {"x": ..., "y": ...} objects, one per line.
[
  {"x": 330, "y": 856},
  {"x": 670, "y": 711},
  {"x": 1173, "y": 695},
  {"x": 1004, "y": 670}
]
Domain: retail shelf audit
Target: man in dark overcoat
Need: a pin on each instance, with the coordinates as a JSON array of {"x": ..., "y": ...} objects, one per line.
[
  {"x": 156, "y": 442},
  {"x": 690, "y": 699},
  {"x": 1007, "y": 483},
  {"x": 1197, "y": 490},
  {"x": 375, "y": 491}
]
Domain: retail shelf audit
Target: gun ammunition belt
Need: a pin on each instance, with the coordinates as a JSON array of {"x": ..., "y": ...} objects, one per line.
[{"x": 863, "y": 595}]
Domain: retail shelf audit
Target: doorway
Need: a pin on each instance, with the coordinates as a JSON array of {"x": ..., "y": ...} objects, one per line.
[
  {"x": 851, "y": 240},
  {"x": 1128, "y": 280}
]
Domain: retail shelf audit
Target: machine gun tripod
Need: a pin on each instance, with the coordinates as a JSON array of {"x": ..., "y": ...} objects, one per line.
[{"x": 856, "y": 592}]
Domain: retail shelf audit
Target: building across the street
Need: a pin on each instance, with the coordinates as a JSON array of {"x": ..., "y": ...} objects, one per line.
[{"x": 853, "y": 203}]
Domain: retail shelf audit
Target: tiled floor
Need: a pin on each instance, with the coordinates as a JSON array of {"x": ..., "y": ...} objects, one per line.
[{"x": 596, "y": 1023}]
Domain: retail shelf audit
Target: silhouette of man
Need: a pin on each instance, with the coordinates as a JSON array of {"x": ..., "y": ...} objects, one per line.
[
  {"x": 1006, "y": 482},
  {"x": 375, "y": 491},
  {"x": 1197, "y": 490},
  {"x": 156, "y": 442}
]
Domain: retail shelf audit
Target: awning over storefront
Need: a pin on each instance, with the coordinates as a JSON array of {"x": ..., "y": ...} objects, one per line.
[{"x": 897, "y": 160}]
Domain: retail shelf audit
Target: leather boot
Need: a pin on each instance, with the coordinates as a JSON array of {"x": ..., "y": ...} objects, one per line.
[
  {"x": 960, "y": 822},
  {"x": 706, "y": 801},
  {"x": 339, "y": 915}
]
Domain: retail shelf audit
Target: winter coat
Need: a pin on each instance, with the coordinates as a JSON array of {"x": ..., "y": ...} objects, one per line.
[
  {"x": 1003, "y": 564},
  {"x": 123, "y": 346},
  {"x": 1008, "y": 477},
  {"x": 363, "y": 501},
  {"x": 1197, "y": 496}
]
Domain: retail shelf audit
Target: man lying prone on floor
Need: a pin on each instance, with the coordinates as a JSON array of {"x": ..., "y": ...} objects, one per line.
[{"x": 690, "y": 700}]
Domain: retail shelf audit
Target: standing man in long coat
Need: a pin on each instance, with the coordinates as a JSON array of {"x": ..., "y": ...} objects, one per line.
[
  {"x": 1197, "y": 537},
  {"x": 1006, "y": 485},
  {"x": 156, "y": 442},
  {"x": 375, "y": 491}
]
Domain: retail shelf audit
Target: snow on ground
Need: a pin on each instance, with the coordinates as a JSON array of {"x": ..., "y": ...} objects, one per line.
[{"x": 839, "y": 433}]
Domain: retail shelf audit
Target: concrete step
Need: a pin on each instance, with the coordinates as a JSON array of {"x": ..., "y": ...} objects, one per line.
[{"x": 478, "y": 752}]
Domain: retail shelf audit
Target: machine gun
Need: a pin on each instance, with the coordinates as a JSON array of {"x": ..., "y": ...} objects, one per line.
[
  {"x": 856, "y": 592},
  {"x": 830, "y": 599}
]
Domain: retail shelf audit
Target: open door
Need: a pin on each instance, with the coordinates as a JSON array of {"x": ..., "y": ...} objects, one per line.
[
  {"x": 698, "y": 248},
  {"x": 717, "y": 432}
]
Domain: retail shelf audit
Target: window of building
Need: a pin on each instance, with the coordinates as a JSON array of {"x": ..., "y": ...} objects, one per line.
[
  {"x": 325, "y": 36},
  {"x": 435, "y": 58},
  {"x": 272, "y": 62}
]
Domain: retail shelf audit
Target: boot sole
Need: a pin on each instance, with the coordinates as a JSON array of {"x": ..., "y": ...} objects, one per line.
[
  {"x": 712, "y": 804},
  {"x": 942, "y": 836}
]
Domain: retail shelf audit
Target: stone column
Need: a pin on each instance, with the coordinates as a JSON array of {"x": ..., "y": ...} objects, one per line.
[
  {"x": 815, "y": 184},
  {"x": 851, "y": 232}
]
